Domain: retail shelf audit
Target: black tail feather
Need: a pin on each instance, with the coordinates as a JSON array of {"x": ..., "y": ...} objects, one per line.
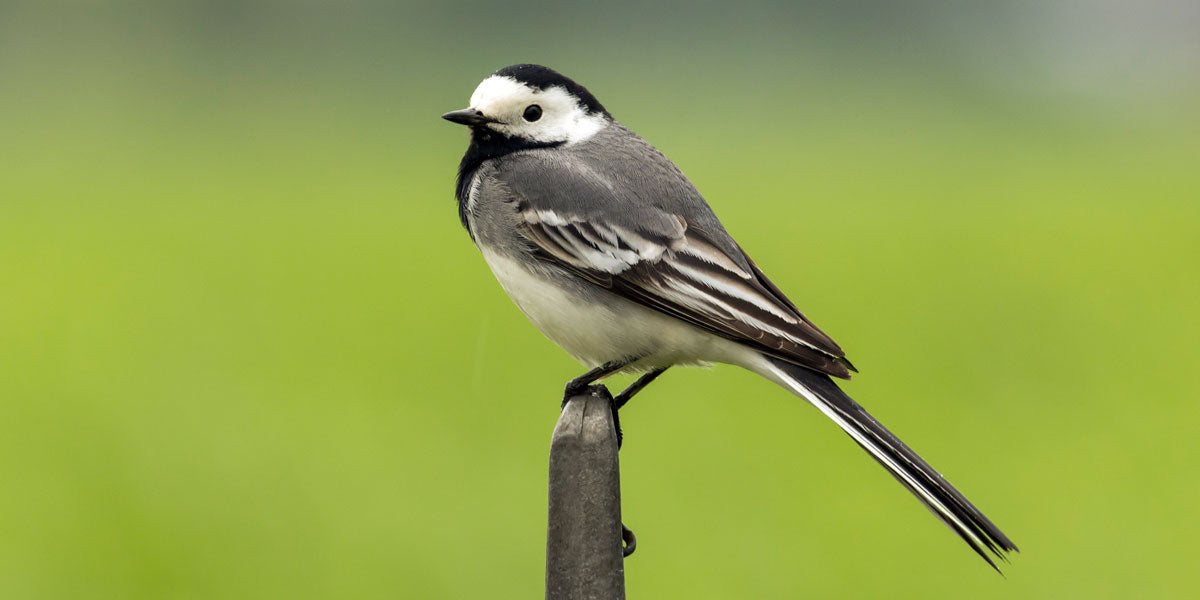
[{"x": 941, "y": 498}]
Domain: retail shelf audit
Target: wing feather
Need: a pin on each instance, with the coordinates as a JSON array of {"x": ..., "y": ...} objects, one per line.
[{"x": 679, "y": 271}]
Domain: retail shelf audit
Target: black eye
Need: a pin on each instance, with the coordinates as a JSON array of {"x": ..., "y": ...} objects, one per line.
[{"x": 533, "y": 112}]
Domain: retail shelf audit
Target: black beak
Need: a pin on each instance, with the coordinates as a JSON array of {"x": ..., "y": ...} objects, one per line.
[{"x": 467, "y": 116}]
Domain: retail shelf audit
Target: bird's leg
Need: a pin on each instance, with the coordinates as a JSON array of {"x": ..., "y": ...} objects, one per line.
[
  {"x": 619, "y": 401},
  {"x": 581, "y": 383},
  {"x": 628, "y": 393},
  {"x": 635, "y": 387}
]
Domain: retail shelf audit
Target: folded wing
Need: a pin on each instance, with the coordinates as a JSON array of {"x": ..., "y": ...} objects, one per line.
[{"x": 656, "y": 259}]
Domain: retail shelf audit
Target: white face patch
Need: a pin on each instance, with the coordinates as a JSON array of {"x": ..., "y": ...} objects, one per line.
[{"x": 563, "y": 119}]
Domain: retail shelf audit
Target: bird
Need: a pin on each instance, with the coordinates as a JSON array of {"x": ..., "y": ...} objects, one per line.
[{"x": 612, "y": 253}]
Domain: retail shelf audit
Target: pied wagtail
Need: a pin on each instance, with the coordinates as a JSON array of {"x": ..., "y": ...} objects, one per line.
[{"x": 612, "y": 253}]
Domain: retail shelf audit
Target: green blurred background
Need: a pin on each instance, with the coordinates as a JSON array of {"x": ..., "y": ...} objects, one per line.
[{"x": 246, "y": 350}]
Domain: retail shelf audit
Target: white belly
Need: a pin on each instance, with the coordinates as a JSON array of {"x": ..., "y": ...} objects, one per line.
[{"x": 595, "y": 333}]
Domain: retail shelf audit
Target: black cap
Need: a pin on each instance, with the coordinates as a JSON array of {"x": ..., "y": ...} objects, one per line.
[{"x": 539, "y": 77}]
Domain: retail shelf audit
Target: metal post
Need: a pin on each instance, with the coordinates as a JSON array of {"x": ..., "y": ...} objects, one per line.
[{"x": 584, "y": 558}]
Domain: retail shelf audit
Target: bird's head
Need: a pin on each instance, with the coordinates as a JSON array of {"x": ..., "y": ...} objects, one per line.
[{"x": 534, "y": 104}]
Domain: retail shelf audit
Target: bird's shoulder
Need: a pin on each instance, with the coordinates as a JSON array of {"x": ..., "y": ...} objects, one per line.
[
  {"x": 616, "y": 166},
  {"x": 615, "y": 177}
]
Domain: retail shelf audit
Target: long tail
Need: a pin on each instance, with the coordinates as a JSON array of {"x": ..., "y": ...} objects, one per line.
[{"x": 945, "y": 502}]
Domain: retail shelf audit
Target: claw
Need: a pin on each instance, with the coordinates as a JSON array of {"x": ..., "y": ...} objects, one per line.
[{"x": 630, "y": 540}]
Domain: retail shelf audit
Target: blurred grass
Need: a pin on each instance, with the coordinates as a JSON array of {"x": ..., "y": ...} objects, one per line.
[{"x": 247, "y": 351}]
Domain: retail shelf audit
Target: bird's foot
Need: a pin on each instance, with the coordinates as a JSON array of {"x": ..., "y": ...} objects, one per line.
[{"x": 573, "y": 390}]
